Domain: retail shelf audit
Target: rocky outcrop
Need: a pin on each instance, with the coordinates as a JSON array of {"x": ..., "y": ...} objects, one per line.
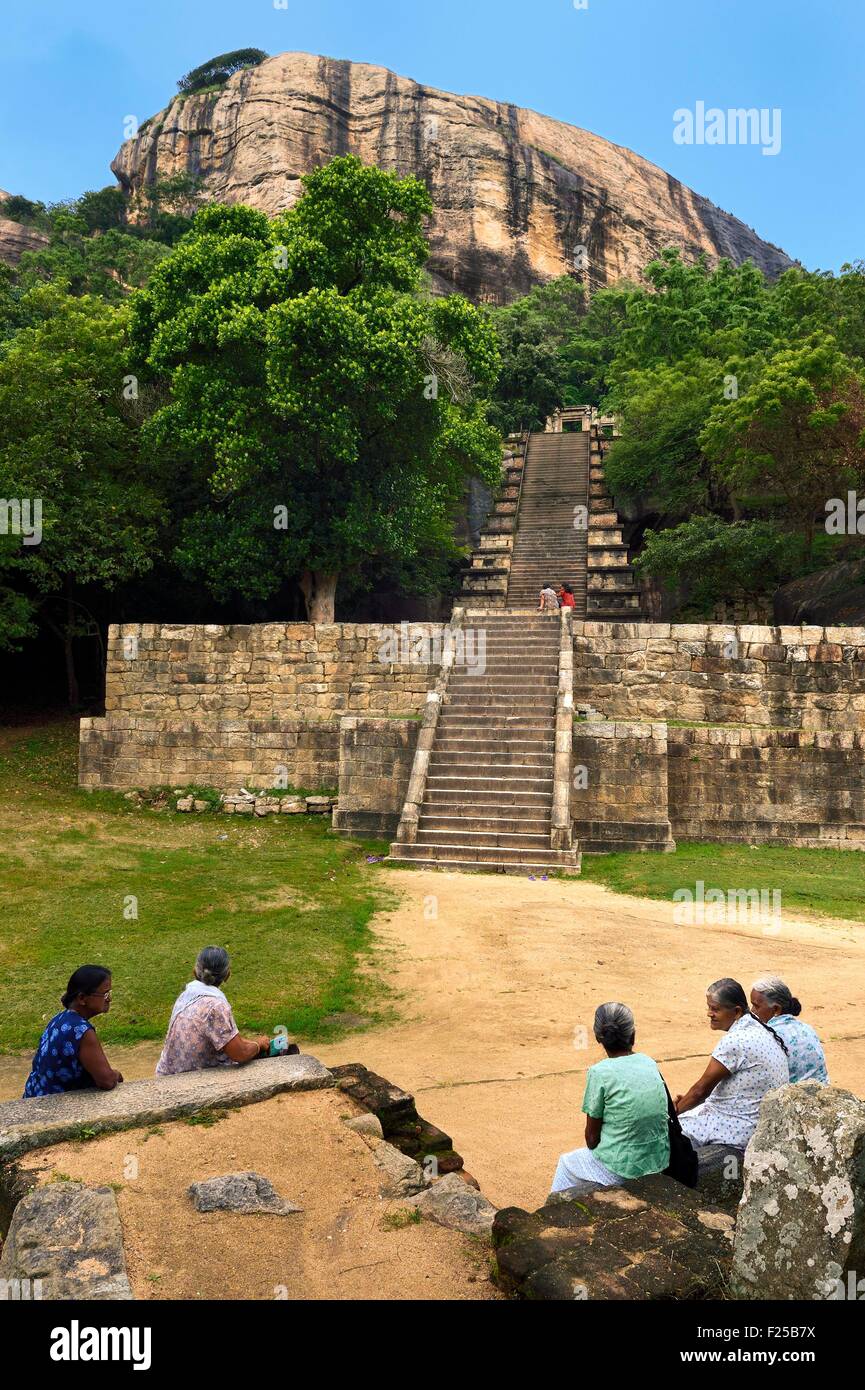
[
  {"x": 800, "y": 1233},
  {"x": 16, "y": 238},
  {"x": 650, "y": 1239},
  {"x": 834, "y": 596},
  {"x": 516, "y": 193}
]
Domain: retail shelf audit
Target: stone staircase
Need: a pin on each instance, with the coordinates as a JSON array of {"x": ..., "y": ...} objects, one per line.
[
  {"x": 485, "y": 578},
  {"x": 548, "y": 546},
  {"x": 486, "y": 793},
  {"x": 612, "y": 592}
]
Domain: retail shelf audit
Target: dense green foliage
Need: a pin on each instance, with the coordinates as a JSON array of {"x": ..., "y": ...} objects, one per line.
[
  {"x": 66, "y": 443},
  {"x": 289, "y": 405},
  {"x": 331, "y": 409},
  {"x": 740, "y": 405},
  {"x": 218, "y": 70},
  {"x": 532, "y": 333}
]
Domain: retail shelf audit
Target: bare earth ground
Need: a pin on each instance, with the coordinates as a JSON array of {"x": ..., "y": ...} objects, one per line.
[
  {"x": 338, "y": 1247},
  {"x": 494, "y": 987}
]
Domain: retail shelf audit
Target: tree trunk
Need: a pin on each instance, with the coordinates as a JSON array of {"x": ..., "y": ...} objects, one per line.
[
  {"x": 69, "y": 655},
  {"x": 319, "y": 594}
]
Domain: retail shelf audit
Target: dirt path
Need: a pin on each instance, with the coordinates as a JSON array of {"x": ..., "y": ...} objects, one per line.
[
  {"x": 495, "y": 987},
  {"x": 498, "y": 993}
]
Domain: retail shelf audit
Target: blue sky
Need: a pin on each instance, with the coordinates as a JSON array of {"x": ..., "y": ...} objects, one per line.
[{"x": 71, "y": 73}]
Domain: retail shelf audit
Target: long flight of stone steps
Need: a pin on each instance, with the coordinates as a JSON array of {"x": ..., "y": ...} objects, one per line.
[
  {"x": 489, "y": 787},
  {"x": 548, "y": 547}
]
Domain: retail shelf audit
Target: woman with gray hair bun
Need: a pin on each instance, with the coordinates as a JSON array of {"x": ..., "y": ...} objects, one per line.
[
  {"x": 723, "y": 1106},
  {"x": 625, "y": 1104},
  {"x": 202, "y": 1031},
  {"x": 774, "y": 1004}
]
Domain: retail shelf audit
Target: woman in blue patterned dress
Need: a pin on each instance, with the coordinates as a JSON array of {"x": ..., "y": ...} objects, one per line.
[
  {"x": 70, "y": 1056},
  {"x": 773, "y": 1003}
]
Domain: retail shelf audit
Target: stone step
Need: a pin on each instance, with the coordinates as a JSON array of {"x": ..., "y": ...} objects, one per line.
[
  {"x": 439, "y": 822},
  {"x": 536, "y": 841},
  {"x": 484, "y": 803},
  {"x": 515, "y": 780},
  {"x": 453, "y": 760},
  {"x": 460, "y": 859},
  {"x": 504, "y": 669},
  {"x": 484, "y": 747},
  {"x": 504, "y": 686}
]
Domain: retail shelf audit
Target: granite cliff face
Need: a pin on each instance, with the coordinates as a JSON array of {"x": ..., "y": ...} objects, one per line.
[
  {"x": 515, "y": 193},
  {"x": 15, "y": 238}
]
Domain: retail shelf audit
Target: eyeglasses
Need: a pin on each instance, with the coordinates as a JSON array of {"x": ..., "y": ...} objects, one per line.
[{"x": 100, "y": 994}]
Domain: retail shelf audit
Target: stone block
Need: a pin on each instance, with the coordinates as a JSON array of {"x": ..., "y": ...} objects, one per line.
[
  {"x": 801, "y": 1224},
  {"x": 68, "y": 1237}
]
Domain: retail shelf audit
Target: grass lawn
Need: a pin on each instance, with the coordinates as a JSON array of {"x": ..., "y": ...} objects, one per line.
[
  {"x": 289, "y": 900},
  {"x": 826, "y": 881}
]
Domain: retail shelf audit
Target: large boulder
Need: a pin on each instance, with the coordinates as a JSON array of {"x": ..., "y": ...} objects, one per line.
[
  {"x": 246, "y": 1193},
  {"x": 833, "y": 597},
  {"x": 454, "y": 1203},
  {"x": 801, "y": 1225}
]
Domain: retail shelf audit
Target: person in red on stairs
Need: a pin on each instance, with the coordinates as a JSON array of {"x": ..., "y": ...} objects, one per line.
[
  {"x": 566, "y": 597},
  {"x": 548, "y": 599}
]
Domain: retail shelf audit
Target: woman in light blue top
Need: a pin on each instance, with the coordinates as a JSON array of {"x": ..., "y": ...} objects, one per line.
[{"x": 774, "y": 1004}]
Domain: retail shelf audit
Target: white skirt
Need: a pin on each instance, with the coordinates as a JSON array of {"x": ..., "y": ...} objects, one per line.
[{"x": 582, "y": 1166}]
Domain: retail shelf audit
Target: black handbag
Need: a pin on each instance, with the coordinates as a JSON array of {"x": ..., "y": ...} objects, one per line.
[{"x": 683, "y": 1157}]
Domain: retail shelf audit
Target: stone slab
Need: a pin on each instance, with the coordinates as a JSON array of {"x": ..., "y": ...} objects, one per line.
[
  {"x": 66, "y": 1239},
  {"x": 32, "y": 1124},
  {"x": 246, "y": 1193},
  {"x": 651, "y": 1238}
]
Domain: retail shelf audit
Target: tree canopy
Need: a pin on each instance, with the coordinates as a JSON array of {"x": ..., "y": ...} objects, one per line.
[
  {"x": 313, "y": 388},
  {"x": 218, "y": 70},
  {"x": 739, "y": 403},
  {"x": 67, "y": 455}
]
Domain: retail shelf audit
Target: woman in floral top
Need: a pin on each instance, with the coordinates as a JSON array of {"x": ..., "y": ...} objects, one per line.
[
  {"x": 70, "y": 1056},
  {"x": 774, "y": 1004},
  {"x": 202, "y": 1031}
]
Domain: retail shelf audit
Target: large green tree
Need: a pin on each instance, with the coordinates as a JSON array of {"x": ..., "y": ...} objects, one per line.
[
  {"x": 67, "y": 463},
  {"x": 332, "y": 409},
  {"x": 531, "y": 334},
  {"x": 797, "y": 432}
]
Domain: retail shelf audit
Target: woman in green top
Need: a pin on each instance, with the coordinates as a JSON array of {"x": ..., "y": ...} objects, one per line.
[{"x": 627, "y": 1130}]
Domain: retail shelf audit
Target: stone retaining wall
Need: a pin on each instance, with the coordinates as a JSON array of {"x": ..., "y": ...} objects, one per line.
[
  {"x": 237, "y": 705},
  {"x": 260, "y": 706},
  {"x": 768, "y": 786},
  {"x": 619, "y": 787},
  {"x": 152, "y": 750},
  {"x": 635, "y": 783},
  {"x": 792, "y": 677},
  {"x": 375, "y": 762},
  {"x": 269, "y": 670}
]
